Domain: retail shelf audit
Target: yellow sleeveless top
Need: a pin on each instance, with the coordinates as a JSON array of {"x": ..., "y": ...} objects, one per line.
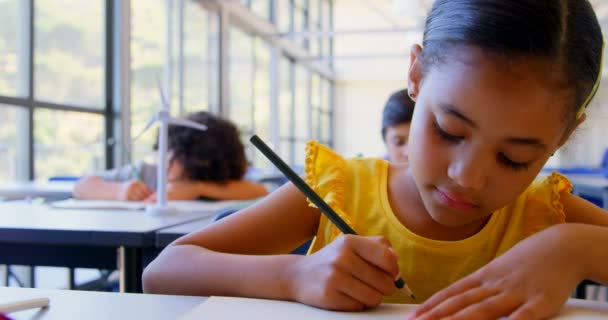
[{"x": 357, "y": 190}]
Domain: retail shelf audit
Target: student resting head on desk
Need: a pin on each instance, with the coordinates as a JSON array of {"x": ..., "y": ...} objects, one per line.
[
  {"x": 499, "y": 86},
  {"x": 207, "y": 164},
  {"x": 396, "y": 119}
]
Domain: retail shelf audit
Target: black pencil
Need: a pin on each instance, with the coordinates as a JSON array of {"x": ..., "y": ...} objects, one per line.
[{"x": 314, "y": 198}]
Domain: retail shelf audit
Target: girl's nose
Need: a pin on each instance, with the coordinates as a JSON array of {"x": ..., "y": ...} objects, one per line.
[{"x": 467, "y": 173}]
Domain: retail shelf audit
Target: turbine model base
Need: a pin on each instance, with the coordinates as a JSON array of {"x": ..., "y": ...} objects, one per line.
[{"x": 157, "y": 210}]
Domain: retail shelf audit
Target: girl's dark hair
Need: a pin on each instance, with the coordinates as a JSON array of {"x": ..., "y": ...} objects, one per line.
[
  {"x": 566, "y": 31},
  {"x": 398, "y": 109},
  {"x": 216, "y": 154}
]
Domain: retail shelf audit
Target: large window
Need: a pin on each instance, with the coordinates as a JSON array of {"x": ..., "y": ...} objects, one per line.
[
  {"x": 53, "y": 92},
  {"x": 69, "y": 52},
  {"x": 191, "y": 82},
  {"x": 13, "y": 143},
  {"x": 67, "y": 143},
  {"x": 60, "y": 77},
  {"x": 250, "y": 89}
]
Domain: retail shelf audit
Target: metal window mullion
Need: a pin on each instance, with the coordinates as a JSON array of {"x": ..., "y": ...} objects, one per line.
[
  {"x": 121, "y": 83},
  {"x": 180, "y": 48},
  {"x": 109, "y": 84},
  {"x": 31, "y": 174},
  {"x": 224, "y": 62}
]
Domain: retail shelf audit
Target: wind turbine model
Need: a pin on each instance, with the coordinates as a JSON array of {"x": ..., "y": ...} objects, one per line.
[{"x": 164, "y": 119}]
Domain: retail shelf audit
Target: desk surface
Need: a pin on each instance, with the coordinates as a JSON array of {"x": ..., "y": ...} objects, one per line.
[
  {"x": 66, "y": 305},
  {"x": 21, "y": 222},
  {"x": 165, "y": 236},
  {"x": 20, "y": 190},
  {"x": 70, "y": 304}
]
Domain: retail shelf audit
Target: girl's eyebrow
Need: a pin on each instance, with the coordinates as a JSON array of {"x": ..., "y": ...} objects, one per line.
[{"x": 453, "y": 111}]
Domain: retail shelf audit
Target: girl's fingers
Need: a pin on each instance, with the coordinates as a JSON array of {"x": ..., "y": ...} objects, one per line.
[
  {"x": 453, "y": 304},
  {"x": 457, "y": 288},
  {"x": 371, "y": 275},
  {"x": 359, "y": 291},
  {"x": 375, "y": 250},
  {"x": 344, "y": 302},
  {"x": 533, "y": 309},
  {"x": 490, "y": 308}
]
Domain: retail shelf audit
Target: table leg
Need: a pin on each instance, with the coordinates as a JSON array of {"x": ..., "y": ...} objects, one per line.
[{"x": 130, "y": 269}]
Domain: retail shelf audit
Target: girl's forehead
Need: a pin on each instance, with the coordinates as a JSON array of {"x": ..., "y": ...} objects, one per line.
[{"x": 513, "y": 93}]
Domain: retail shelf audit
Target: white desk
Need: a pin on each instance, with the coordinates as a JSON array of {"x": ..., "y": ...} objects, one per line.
[
  {"x": 70, "y": 304},
  {"x": 21, "y": 190},
  {"x": 38, "y": 235}
]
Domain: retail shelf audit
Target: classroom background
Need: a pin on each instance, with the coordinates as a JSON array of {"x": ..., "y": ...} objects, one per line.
[{"x": 79, "y": 80}]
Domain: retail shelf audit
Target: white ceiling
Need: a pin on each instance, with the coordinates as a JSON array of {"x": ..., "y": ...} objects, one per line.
[{"x": 384, "y": 32}]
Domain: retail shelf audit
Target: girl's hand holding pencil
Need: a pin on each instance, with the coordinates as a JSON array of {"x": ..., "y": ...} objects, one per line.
[{"x": 352, "y": 273}]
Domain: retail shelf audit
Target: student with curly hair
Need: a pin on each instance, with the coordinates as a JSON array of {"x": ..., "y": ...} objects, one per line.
[{"x": 208, "y": 165}]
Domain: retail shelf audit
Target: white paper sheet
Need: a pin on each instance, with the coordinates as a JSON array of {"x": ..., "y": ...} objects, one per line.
[
  {"x": 229, "y": 308},
  {"x": 181, "y": 206},
  {"x": 257, "y": 309}
]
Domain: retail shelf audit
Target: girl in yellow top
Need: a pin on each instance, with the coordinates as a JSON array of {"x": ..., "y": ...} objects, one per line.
[{"x": 499, "y": 86}]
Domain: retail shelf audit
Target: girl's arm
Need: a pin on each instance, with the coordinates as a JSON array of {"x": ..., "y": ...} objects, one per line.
[
  {"x": 244, "y": 255},
  {"x": 198, "y": 263},
  {"x": 534, "y": 278},
  {"x": 232, "y": 190},
  {"x": 530, "y": 281},
  {"x": 579, "y": 210}
]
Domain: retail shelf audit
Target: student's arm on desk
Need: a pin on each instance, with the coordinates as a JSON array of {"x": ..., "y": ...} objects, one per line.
[
  {"x": 94, "y": 187},
  {"x": 221, "y": 259},
  {"x": 233, "y": 190},
  {"x": 243, "y": 255}
]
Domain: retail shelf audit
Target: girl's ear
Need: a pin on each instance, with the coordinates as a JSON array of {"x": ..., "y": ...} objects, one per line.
[{"x": 414, "y": 78}]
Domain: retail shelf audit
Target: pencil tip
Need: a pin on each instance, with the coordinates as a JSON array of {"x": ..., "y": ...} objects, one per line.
[{"x": 413, "y": 296}]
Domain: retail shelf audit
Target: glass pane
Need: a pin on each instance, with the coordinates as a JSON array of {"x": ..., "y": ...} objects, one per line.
[
  {"x": 13, "y": 143},
  {"x": 242, "y": 75},
  {"x": 325, "y": 128},
  {"x": 201, "y": 52},
  {"x": 261, "y": 86},
  {"x": 285, "y": 151},
  {"x": 261, "y": 8},
  {"x": 69, "y": 52},
  {"x": 14, "y": 45},
  {"x": 148, "y": 44},
  {"x": 67, "y": 143},
  {"x": 302, "y": 103},
  {"x": 300, "y": 153},
  {"x": 285, "y": 98},
  {"x": 283, "y": 15}
]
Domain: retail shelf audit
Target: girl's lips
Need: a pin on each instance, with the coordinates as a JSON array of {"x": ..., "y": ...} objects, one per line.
[{"x": 454, "y": 201}]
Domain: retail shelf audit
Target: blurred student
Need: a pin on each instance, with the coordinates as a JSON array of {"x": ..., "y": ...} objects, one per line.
[
  {"x": 207, "y": 164},
  {"x": 396, "y": 119}
]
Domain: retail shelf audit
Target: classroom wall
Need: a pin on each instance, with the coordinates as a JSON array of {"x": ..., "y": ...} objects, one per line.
[
  {"x": 587, "y": 145},
  {"x": 358, "y": 115}
]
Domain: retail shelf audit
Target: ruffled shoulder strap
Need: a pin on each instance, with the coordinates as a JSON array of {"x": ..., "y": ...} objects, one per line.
[
  {"x": 543, "y": 203},
  {"x": 325, "y": 173}
]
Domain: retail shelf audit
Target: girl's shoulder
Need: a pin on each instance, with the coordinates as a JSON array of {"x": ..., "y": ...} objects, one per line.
[
  {"x": 542, "y": 202},
  {"x": 332, "y": 176}
]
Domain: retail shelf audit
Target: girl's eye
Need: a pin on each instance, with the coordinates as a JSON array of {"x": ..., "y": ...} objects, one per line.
[
  {"x": 504, "y": 160},
  {"x": 444, "y": 135}
]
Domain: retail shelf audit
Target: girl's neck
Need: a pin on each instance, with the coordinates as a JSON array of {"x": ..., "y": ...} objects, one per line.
[{"x": 408, "y": 207}]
